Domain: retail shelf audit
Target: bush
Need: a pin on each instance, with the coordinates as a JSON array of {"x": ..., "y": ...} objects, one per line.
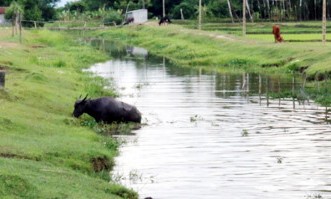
[
  {"x": 188, "y": 11},
  {"x": 113, "y": 17}
]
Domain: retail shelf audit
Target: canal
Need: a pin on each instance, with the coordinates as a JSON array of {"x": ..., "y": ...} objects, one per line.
[{"x": 210, "y": 135}]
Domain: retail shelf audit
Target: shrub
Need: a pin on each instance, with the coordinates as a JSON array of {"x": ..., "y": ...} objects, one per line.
[{"x": 112, "y": 17}]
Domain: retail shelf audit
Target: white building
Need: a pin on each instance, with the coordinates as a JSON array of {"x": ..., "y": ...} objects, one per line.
[
  {"x": 2, "y": 15},
  {"x": 139, "y": 16}
]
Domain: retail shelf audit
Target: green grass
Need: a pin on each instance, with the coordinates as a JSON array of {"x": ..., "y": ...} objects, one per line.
[
  {"x": 44, "y": 152},
  {"x": 306, "y": 27},
  {"x": 288, "y": 37}
]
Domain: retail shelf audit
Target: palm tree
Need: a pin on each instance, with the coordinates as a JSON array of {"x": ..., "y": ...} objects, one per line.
[{"x": 230, "y": 11}]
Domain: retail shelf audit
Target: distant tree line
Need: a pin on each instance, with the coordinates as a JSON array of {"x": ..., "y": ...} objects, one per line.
[
  {"x": 113, "y": 10},
  {"x": 275, "y": 10}
]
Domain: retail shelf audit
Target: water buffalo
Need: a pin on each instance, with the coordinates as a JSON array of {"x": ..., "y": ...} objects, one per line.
[
  {"x": 164, "y": 20},
  {"x": 107, "y": 109},
  {"x": 128, "y": 20}
]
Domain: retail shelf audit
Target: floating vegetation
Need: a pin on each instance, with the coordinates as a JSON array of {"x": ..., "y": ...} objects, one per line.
[
  {"x": 279, "y": 160},
  {"x": 314, "y": 196},
  {"x": 213, "y": 123},
  {"x": 141, "y": 85},
  {"x": 134, "y": 177},
  {"x": 107, "y": 129},
  {"x": 244, "y": 133},
  {"x": 116, "y": 128},
  {"x": 196, "y": 118}
]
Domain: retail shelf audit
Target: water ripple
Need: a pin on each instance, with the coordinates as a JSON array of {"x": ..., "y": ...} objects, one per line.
[{"x": 208, "y": 137}]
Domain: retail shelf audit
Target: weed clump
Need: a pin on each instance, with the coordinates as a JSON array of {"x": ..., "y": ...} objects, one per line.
[
  {"x": 101, "y": 164},
  {"x": 12, "y": 186}
]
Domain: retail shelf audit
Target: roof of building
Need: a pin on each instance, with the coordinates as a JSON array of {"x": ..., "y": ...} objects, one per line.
[{"x": 2, "y": 10}]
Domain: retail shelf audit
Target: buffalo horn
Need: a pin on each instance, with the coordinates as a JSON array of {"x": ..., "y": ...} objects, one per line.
[{"x": 85, "y": 98}]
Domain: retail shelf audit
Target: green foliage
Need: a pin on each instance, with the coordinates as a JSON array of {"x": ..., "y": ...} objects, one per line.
[
  {"x": 322, "y": 94},
  {"x": 77, "y": 6},
  {"x": 188, "y": 10},
  {"x": 13, "y": 10},
  {"x": 12, "y": 186},
  {"x": 123, "y": 192},
  {"x": 113, "y": 17},
  {"x": 37, "y": 10},
  {"x": 218, "y": 8},
  {"x": 212, "y": 9},
  {"x": 32, "y": 13},
  {"x": 96, "y": 87},
  {"x": 109, "y": 129}
]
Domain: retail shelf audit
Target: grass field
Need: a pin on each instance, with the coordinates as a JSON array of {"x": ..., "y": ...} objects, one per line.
[
  {"x": 291, "y": 31},
  {"x": 306, "y": 27},
  {"x": 44, "y": 152}
]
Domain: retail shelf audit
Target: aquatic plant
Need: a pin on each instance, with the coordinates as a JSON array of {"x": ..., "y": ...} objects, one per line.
[{"x": 244, "y": 133}]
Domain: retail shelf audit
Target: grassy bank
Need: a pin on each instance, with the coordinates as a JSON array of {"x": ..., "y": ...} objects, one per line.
[
  {"x": 225, "y": 52},
  {"x": 44, "y": 152}
]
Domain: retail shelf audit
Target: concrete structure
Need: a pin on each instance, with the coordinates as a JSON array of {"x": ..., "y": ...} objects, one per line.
[
  {"x": 2, "y": 15},
  {"x": 139, "y": 16}
]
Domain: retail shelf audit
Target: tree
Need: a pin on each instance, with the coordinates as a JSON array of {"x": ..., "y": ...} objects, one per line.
[
  {"x": 188, "y": 10},
  {"x": 36, "y": 10},
  {"x": 5, "y": 2},
  {"x": 76, "y": 6},
  {"x": 260, "y": 9},
  {"x": 15, "y": 12}
]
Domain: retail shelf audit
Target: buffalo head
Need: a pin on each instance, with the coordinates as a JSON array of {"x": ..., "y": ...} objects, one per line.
[{"x": 80, "y": 107}]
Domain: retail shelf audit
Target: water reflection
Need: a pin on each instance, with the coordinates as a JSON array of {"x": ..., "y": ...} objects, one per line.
[{"x": 213, "y": 135}]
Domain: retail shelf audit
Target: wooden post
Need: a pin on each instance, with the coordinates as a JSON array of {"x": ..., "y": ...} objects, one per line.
[
  {"x": 324, "y": 22},
  {"x": 293, "y": 91},
  {"x": 17, "y": 27},
  {"x": 13, "y": 26},
  {"x": 200, "y": 12},
  {"x": 267, "y": 90},
  {"x": 244, "y": 17},
  {"x": 35, "y": 24},
  {"x": 260, "y": 89},
  {"x": 20, "y": 25},
  {"x": 163, "y": 8}
]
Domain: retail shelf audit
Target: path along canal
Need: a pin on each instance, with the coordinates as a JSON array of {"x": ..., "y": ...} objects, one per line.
[{"x": 215, "y": 136}]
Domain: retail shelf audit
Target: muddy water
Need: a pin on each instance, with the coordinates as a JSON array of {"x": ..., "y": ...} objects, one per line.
[{"x": 218, "y": 136}]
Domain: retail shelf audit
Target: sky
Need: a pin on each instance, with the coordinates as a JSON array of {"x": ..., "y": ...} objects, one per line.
[{"x": 63, "y": 2}]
